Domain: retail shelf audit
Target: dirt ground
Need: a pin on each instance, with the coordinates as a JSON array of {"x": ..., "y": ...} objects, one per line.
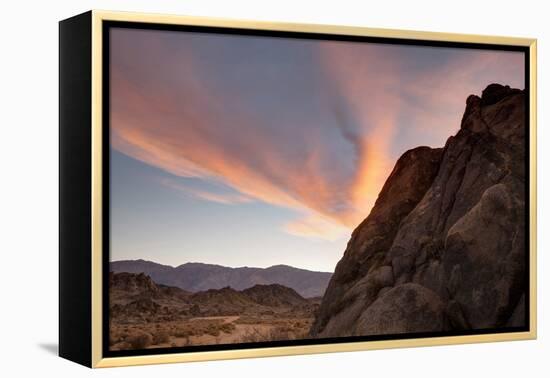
[{"x": 207, "y": 331}]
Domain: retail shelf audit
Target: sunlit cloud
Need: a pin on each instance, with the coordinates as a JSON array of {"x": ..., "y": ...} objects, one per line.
[
  {"x": 210, "y": 196},
  {"x": 315, "y": 127},
  {"x": 365, "y": 80},
  {"x": 317, "y": 227}
]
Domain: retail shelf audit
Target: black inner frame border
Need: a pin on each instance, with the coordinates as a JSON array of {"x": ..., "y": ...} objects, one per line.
[{"x": 107, "y": 25}]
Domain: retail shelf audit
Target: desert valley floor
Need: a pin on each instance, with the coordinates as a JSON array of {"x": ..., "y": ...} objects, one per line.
[{"x": 148, "y": 315}]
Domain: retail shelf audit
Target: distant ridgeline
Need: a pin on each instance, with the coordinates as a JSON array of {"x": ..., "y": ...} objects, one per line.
[{"x": 195, "y": 277}]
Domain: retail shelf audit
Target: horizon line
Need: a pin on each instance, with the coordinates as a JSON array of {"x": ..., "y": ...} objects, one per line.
[{"x": 223, "y": 266}]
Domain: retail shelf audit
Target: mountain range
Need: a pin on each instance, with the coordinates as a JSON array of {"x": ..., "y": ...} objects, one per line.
[{"x": 195, "y": 277}]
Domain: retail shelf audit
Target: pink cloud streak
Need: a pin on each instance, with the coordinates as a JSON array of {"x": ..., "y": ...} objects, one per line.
[{"x": 190, "y": 129}]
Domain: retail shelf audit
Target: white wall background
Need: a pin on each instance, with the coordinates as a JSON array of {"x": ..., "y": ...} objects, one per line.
[{"x": 28, "y": 166}]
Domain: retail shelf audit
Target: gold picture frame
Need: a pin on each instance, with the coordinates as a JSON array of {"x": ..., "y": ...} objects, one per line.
[{"x": 90, "y": 268}]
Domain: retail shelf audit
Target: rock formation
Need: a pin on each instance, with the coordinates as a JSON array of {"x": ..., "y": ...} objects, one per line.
[
  {"x": 136, "y": 296},
  {"x": 444, "y": 246},
  {"x": 145, "y": 314}
]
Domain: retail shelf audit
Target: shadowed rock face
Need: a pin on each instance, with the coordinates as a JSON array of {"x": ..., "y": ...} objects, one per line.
[{"x": 444, "y": 246}]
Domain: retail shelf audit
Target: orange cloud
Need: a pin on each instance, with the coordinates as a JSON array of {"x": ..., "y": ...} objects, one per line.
[
  {"x": 223, "y": 198},
  {"x": 365, "y": 78},
  {"x": 317, "y": 227},
  {"x": 187, "y": 139},
  {"x": 171, "y": 114}
]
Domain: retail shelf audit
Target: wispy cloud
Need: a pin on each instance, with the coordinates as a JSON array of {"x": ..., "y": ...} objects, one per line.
[
  {"x": 222, "y": 198},
  {"x": 309, "y": 126},
  {"x": 316, "y": 226}
]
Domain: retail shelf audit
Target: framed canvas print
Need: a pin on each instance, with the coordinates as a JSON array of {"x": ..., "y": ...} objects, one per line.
[{"x": 236, "y": 189}]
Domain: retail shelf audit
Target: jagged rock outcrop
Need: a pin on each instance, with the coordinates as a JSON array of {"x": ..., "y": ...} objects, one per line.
[
  {"x": 444, "y": 246},
  {"x": 275, "y": 295},
  {"x": 136, "y": 296},
  {"x": 133, "y": 284}
]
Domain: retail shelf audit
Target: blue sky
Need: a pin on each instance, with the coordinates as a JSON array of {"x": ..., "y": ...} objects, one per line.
[
  {"x": 156, "y": 222},
  {"x": 255, "y": 151}
]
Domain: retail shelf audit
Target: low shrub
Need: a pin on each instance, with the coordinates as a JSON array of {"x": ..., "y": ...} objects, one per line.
[
  {"x": 161, "y": 337},
  {"x": 140, "y": 340}
]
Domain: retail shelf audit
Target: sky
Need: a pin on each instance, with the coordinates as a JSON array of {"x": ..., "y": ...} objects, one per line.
[{"x": 256, "y": 151}]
